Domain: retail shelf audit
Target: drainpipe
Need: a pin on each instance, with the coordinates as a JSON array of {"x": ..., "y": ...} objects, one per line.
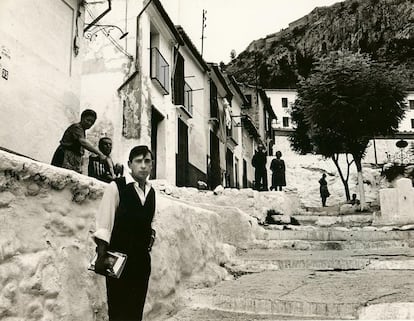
[{"x": 99, "y": 17}]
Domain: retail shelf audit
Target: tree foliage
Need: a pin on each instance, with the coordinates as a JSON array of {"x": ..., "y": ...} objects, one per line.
[{"x": 347, "y": 100}]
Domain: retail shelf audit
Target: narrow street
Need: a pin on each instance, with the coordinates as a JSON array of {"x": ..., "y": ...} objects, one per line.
[{"x": 350, "y": 270}]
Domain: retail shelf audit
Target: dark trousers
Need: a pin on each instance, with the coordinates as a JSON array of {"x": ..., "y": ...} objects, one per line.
[
  {"x": 260, "y": 178},
  {"x": 126, "y": 295}
]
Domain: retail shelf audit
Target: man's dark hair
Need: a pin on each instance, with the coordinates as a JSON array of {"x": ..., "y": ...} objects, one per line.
[
  {"x": 88, "y": 112},
  {"x": 138, "y": 151},
  {"x": 101, "y": 141}
]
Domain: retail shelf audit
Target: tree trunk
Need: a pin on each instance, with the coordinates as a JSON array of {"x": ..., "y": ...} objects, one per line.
[
  {"x": 335, "y": 159},
  {"x": 360, "y": 182}
]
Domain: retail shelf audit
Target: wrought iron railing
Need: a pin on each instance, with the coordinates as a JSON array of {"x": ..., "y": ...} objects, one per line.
[
  {"x": 160, "y": 70},
  {"x": 233, "y": 133},
  {"x": 188, "y": 98}
]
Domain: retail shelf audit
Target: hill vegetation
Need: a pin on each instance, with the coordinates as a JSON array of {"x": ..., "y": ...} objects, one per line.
[{"x": 384, "y": 29}]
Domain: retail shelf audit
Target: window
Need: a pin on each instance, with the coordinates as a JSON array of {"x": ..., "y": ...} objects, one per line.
[
  {"x": 285, "y": 121},
  {"x": 232, "y": 132},
  {"x": 284, "y": 102},
  {"x": 411, "y": 104},
  {"x": 213, "y": 101},
  {"x": 412, "y": 123},
  {"x": 249, "y": 100},
  {"x": 188, "y": 99},
  {"x": 160, "y": 70},
  {"x": 179, "y": 84}
]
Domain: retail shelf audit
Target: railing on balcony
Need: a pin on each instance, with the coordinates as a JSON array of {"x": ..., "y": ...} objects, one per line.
[
  {"x": 233, "y": 133},
  {"x": 188, "y": 98},
  {"x": 160, "y": 70}
]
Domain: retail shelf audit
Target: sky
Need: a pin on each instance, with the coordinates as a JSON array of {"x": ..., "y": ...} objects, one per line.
[{"x": 234, "y": 24}]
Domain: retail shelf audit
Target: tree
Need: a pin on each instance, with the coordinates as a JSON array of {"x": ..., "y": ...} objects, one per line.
[{"x": 347, "y": 100}]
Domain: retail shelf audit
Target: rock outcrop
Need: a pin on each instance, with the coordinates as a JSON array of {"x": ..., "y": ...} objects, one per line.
[{"x": 382, "y": 28}]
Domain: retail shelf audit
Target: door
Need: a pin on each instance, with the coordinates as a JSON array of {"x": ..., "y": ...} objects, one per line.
[
  {"x": 236, "y": 173},
  {"x": 229, "y": 169},
  {"x": 215, "y": 172},
  {"x": 182, "y": 155},
  {"x": 244, "y": 174},
  {"x": 156, "y": 118}
]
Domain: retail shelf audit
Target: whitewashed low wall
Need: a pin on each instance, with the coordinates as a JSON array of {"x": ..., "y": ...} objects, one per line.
[
  {"x": 46, "y": 222},
  {"x": 397, "y": 204}
]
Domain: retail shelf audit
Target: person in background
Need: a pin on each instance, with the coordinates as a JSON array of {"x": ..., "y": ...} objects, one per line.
[
  {"x": 354, "y": 200},
  {"x": 123, "y": 224},
  {"x": 259, "y": 163},
  {"x": 105, "y": 171},
  {"x": 277, "y": 166},
  {"x": 69, "y": 153},
  {"x": 323, "y": 188}
]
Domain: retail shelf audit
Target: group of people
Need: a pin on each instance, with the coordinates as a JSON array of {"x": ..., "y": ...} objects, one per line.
[
  {"x": 125, "y": 215},
  {"x": 73, "y": 143},
  {"x": 277, "y": 166},
  {"x": 127, "y": 209}
]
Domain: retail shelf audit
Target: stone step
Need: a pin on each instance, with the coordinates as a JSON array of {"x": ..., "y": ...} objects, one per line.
[
  {"x": 340, "y": 220},
  {"x": 257, "y": 260},
  {"x": 306, "y": 294},
  {"x": 331, "y": 245},
  {"x": 335, "y": 234},
  {"x": 204, "y": 314}
]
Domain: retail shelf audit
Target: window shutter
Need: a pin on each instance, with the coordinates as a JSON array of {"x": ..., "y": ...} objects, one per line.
[
  {"x": 179, "y": 80},
  {"x": 213, "y": 100}
]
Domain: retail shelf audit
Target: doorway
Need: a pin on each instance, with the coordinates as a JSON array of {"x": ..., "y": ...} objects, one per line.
[
  {"x": 215, "y": 173},
  {"x": 156, "y": 119},
  {"x": 182, "y": 155}
]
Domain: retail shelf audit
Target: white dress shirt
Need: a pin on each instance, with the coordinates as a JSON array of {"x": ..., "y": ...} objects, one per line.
[{"x": 105, "y": 216}]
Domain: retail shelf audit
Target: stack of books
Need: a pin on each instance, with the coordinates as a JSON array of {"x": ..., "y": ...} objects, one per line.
[{"x": 116, "y": 260}]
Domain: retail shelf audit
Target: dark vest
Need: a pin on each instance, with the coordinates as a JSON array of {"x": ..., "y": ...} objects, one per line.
[{"x": 131, "y": 233}]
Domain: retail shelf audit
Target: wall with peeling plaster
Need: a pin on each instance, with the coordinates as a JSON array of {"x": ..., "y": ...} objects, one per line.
[{"x": 120, "y": 89}]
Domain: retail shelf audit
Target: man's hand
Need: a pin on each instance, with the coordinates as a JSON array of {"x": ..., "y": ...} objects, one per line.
[
  {"x": 153, "y": 233},
  {"x": 102, "y": 265}
]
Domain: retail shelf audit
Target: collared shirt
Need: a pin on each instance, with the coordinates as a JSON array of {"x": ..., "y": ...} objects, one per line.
[{"x": 105, "y": 216}]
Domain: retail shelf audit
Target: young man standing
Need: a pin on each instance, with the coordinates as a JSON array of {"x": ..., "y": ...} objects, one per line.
[{"x": 123, "y": 224}]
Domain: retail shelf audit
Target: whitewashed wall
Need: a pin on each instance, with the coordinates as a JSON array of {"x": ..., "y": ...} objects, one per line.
[
  {"x": 47, "y": 220},
  {"x": 40, "y": 98},
  {"x": 198, "y": 129},
  {"x": 276, "y": 96}
]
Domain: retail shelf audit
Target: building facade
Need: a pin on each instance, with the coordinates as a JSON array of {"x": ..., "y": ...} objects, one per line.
[
  {"x": 380, "y": 149},
  {"x": 143, "y": 76},
  {"x": 40, "y": 73}
]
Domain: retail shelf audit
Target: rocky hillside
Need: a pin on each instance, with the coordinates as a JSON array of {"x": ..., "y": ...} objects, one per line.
[{"x": 382, "y": 28}]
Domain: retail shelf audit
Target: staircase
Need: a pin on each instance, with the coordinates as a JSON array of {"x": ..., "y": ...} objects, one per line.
[{"x": 347, "y": 270}]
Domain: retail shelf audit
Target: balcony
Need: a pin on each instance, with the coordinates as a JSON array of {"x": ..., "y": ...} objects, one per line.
[
  {"x": 188, "y": 99},
  {"x": 160, "y": 71},
  {"x": 233, "y": 133}
]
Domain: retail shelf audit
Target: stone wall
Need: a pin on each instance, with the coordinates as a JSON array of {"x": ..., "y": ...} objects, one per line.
[
  {"x": 46, "y": 223},
  {"x": 396, "y": 204}
]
